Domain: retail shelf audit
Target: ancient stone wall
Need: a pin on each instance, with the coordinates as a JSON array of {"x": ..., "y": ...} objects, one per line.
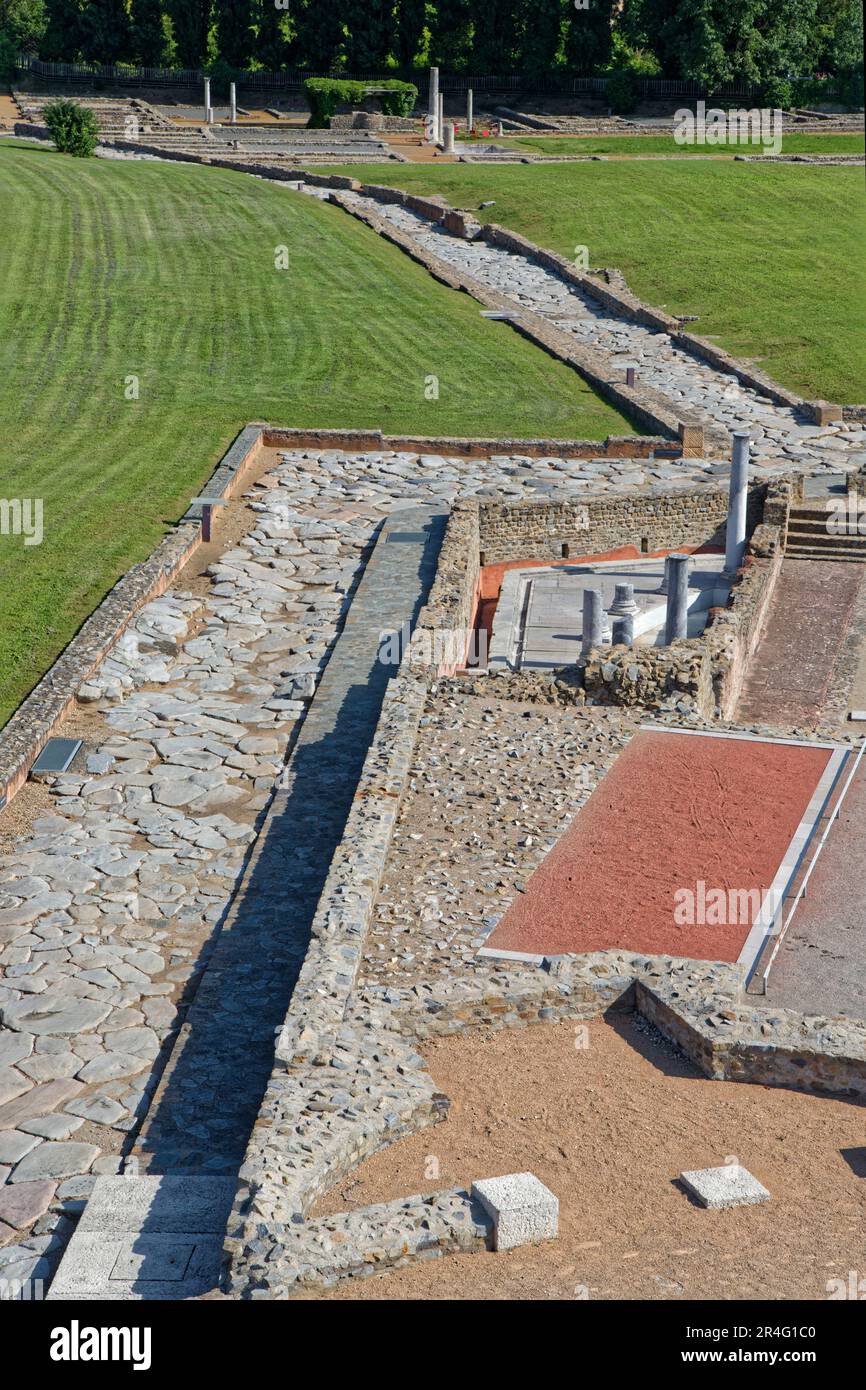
[
  {"x": 454, "y": 594},
  {"x": 594, "y": 525}
]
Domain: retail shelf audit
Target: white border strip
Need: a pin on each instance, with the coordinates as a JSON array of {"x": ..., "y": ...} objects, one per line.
[
  {"x": 784, "y": 877},
  {"x": 740, "y": 734}
]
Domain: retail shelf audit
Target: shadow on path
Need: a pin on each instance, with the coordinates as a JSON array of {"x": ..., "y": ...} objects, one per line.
[{"x": 209, "y": 1095}]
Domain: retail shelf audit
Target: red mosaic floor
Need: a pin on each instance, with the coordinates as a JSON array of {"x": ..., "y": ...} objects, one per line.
[{"x": 674, "y": 809}]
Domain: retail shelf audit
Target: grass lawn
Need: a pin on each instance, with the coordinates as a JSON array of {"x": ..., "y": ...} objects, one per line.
[
  {"x": 166, "y": 273},
  {"x": 771, "y": 259},
  {"x": 795, "y": 143}
]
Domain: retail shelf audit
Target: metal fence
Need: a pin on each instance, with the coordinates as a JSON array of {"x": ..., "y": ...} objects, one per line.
[{"x": 292, "y": 79}]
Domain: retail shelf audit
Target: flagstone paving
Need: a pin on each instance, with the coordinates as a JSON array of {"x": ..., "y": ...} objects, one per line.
[
  {"x": 109, "y": 909},
  {"x": 113, "y": 907},
  {"x": 715, "y": 397},
  {"x": 809, "y": 617}
]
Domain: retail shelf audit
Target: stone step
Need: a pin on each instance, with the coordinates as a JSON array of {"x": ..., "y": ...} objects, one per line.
[
  {"x": 813, "y": 535},
  {"x": 147, "y": 1237},
  {"x": 806, "y": 552}
]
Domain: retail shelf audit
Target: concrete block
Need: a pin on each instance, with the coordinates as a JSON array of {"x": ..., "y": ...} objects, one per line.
[
  {"x": 728, "y": 1186},
  {"x": 522, "y": 1209}
]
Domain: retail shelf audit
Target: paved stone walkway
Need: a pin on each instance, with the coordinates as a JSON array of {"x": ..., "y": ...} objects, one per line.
[
  {"x": 821, "y": 965},
  {"x": 715, "y": 397},
  {"x": 211, "y": 1092},
  {"x": 108, "y": 910},
  {"x": 789, "y": 674}
]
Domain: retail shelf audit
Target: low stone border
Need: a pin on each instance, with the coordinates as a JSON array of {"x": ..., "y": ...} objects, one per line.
[
  {"x": 356, "y": 1244},
  {"x": 614, "y": 297},
  {"x": 823, "y": 161},
  {"x": 33, "y": 723},
  {"x": 625, "y": 446},
  {"x": 327, "y": 977},
  {"x": 648, "y": 407}
]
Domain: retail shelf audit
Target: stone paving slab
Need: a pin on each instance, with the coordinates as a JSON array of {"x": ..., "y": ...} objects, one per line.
[{"x": 147, "y": 1238}]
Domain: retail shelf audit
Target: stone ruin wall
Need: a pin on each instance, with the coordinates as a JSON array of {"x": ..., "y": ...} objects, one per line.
[
  {"x": 594, "y": 525},
  {"x": 699, "y": 676}
]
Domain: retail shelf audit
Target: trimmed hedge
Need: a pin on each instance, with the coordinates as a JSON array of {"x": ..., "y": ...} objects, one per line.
[{"x": 325, "y": 94}]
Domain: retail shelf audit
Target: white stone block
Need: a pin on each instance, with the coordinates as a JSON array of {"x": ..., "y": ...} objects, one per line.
[
  {"x": 523, "y": 1210},
  {"x": 728, "y": 1186}
]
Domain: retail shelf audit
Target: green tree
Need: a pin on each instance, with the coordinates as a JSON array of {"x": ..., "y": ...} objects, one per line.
[
  {"x": 234, "y": 34},
  {"x": 411, "y": 34},
  {"x": 843, "y": 46},
  {"x": 542, "y": 24},
  {"x": 318, "y": 35},
  {"x": 23, "y": 23},
  {"x": 788, "y": 42},
  {"x": 451, "y": 32},
  {"x": 22, "y": 28},
  {"x": 64, "y": 31},
  {"x": 148, "y": 33},
  {"x": 371, "y": 33},
  {"x": 271, "y": 46},
  {"x": 106, "y": 32},
  {"x": 191, "y": 21},
  {"x": 496, "y": 39},
  {"x": 588, "y": 38}
]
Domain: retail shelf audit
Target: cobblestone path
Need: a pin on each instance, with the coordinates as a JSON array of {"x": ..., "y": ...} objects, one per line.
[
  {"x": 715, "y": 397},
  {"x": 208, "y": 1099}
]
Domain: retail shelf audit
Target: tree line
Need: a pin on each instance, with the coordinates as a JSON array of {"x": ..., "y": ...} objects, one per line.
[{"x": 708, "y": 41}]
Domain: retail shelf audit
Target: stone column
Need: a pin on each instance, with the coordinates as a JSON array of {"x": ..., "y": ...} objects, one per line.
[
  {"x": 440, "y": 120},
  {"x": 207, "y": 107},
  {"x": 470, "y": 114},
  {"x": 233, "y": 103},
  {"x": 592, "y": 629},
  {"x": 663, "y": 587},
  {"x": 623, "y": 630},
  {"x": 433, "y": 103},
  {"x": 447, "y": 138},
  {"x": 676, "y": 620},
  {"x": 623, "y": 601},
  {"x": 738, "y": 499}
]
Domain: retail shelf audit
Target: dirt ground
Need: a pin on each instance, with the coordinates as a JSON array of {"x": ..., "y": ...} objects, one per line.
[{"x": 607, "y": 1118}]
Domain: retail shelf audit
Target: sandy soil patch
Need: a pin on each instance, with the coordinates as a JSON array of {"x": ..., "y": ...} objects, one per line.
[{"x": 608, "y": 1127}]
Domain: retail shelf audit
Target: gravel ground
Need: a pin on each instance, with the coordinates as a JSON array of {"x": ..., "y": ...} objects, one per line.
[{"x": 494, "y": 785}]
